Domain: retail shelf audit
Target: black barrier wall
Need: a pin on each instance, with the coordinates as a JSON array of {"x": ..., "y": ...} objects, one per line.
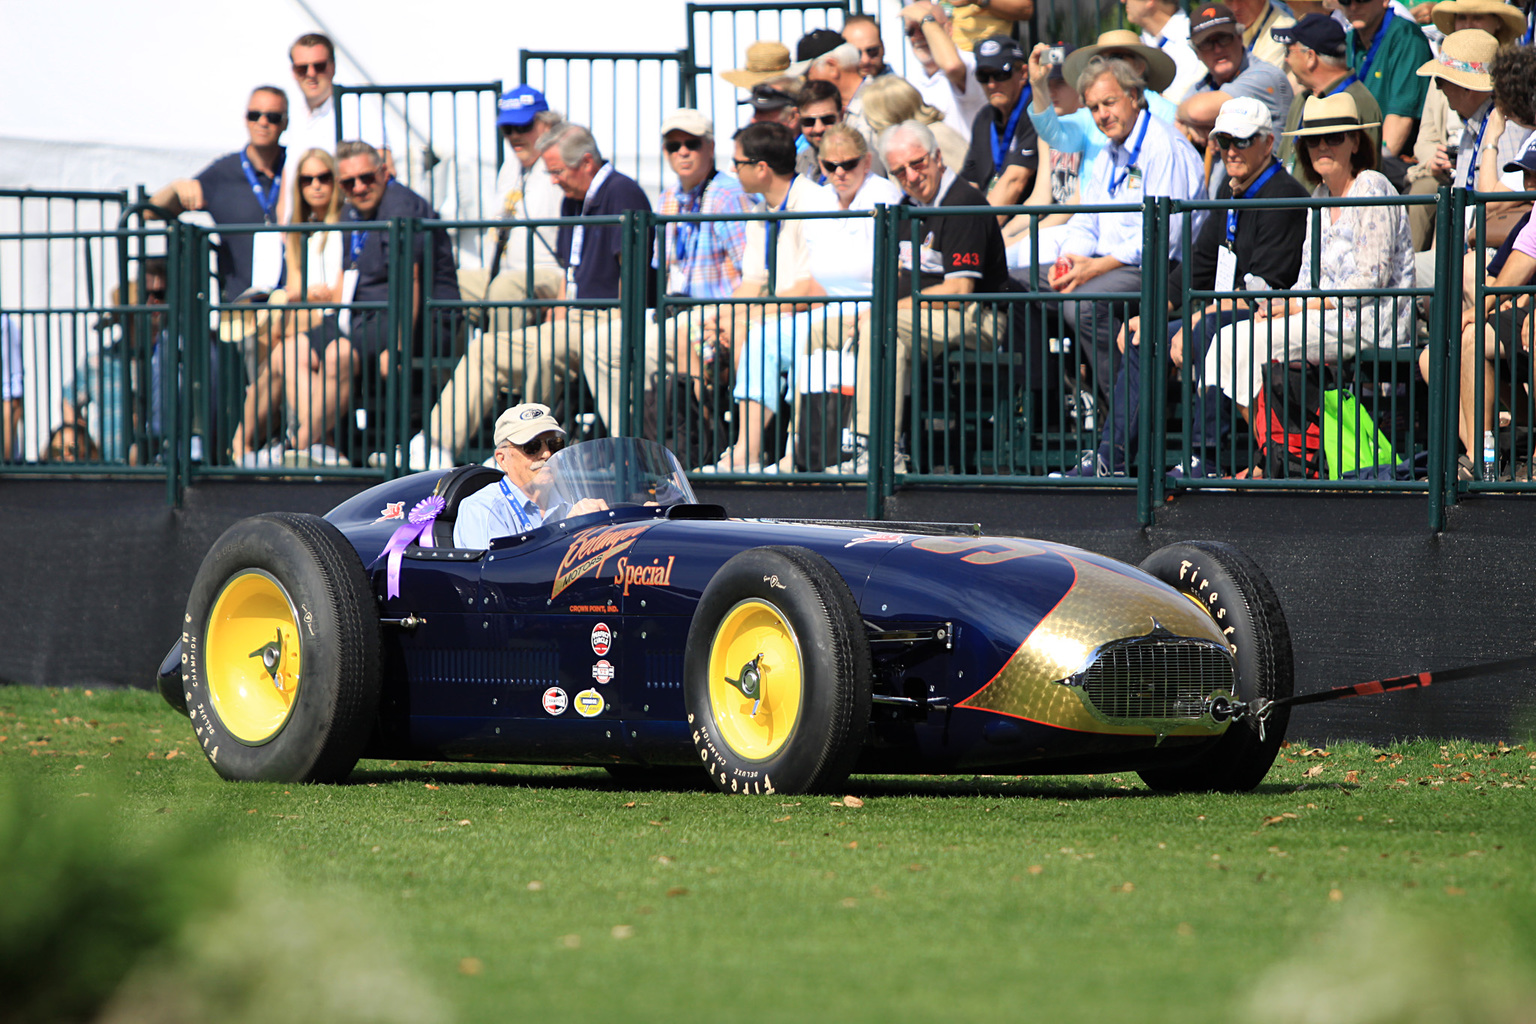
[{"x": 97, "y": 574}]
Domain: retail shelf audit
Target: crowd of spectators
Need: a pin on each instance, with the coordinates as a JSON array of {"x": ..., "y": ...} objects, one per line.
[{"x": 1256, "y": 98}]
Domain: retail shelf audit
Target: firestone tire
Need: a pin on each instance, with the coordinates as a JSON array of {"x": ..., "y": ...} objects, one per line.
[
  {"x": 1236, "y": 593},
  {"x": 280, "y": 652},
  {"x": 776, "y": 675}
]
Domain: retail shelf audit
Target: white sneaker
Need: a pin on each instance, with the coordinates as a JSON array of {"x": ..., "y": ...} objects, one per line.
[
  {"x": 315, "y": 455},
  {"x": 859, "y": 464},
  {"x": 421, "y": 456},
  {"x": 266, "y": 458}
]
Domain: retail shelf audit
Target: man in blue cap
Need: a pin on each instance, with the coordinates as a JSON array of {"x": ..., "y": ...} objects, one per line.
[{"x": 1315, "y": 57}]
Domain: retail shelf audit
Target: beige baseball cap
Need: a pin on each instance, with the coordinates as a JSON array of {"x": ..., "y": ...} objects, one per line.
[{"x": 522, "y": 423}]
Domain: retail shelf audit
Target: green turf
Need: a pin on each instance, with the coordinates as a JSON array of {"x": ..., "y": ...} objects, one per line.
[{"x": 1355, "y": 884}]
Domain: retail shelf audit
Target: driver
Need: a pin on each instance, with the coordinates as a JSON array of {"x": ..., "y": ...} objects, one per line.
[{"x": 526, "y": 436}]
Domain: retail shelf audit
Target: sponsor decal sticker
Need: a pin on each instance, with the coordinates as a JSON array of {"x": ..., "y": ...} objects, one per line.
[
  {"x": 590, "y": 549},
  {"x": 392, "y": 510},
  {"x": 653, "y": 575},
  {"x": 603, "y": 671},
  {"x": 876, "y": 538},
  {"x": 554, "y": 700},
  {"x": 602, "y": 639},
  {"x": 595, "y": 609},
  {"x": 589, "y": 703}
]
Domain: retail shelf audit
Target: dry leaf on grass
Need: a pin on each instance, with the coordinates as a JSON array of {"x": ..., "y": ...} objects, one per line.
[
  {"x": 1313, "y": 772},
  {"x": 852, "y": 801},
  {"x": 471, "y": 966},
  {"x": 623, "y": 931}
]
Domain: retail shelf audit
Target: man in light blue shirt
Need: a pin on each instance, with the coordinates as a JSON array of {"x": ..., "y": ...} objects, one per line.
[
  {"x": 1102, "y": 251},
  {"x": 526, "y": 436}
]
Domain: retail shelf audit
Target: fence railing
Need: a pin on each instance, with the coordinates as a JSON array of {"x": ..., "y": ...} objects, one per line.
[{"x": 1000, "y": 388}]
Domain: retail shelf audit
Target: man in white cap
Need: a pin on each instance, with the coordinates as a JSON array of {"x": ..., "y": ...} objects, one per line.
[
  {"x": 526, "y": 436},
  {"x": 703, "y": 260}
]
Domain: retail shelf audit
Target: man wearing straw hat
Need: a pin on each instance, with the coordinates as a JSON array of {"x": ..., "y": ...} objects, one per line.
[
  {"x": 1231, "y": 72},
  {"x": 1487, "y": 143},
  {"x": 1155, "y": 68},
  {"x": 766, "y": 59}
]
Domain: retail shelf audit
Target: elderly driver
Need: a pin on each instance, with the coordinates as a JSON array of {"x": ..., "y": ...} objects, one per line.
[{"x": 526, "y": 436}]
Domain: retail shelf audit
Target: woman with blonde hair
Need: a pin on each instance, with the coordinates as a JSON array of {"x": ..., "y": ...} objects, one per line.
[
  {"x": 293, "y": 369},
  {"x": 891, "y": 100}
]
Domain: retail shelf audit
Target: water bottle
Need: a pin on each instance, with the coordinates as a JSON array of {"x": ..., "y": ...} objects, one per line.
[{"x": 1490, "y": 456}]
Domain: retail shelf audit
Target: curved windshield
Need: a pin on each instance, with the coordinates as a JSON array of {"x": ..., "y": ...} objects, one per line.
[{"x": 615, "y": 470}]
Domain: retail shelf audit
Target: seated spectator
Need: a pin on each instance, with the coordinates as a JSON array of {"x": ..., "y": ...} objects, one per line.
[
  {"x": 292, "y": 372},
  {"x": 106, "y": 399},
  {"x": 1165, "y": 27},
  {"x": 890, "y": 100},
  {"x": 703, "y": 260},
  {"x": 1315, "y": 57},
  {"x": 243, "y": 188},
  {"x": 1259, "y": 19},
  {"x": 527, "y": 193},
  {"x": 818, "y": 42},
  {"x": 366, "y": 337},
  {"x": 539, "y": 359},
  {"x": 1440, "y": 128},
  {"x": 1002, "y": 158},
  {"x": 1102, "y": 251},
  {"x": 840, "y": 261},
  {"x": 1487, "y": 143},
  {"x": 1069, "y": 143},
  {"x": 863, "y": 32},
  {"x": 945, "y": 79},
  {"x": 1152, "y": 66},
  {"x": 765, "y": 160},
  {"x": 1385, "y": 52},
  {"x": 71, "y": 442},
  {"x": 821, "y": 107},
  {"x": 840, "y": 66},
  {"x": 766, "y": 58},
  {"x": 1230, "y": 72},
  {"x": 965, "y": 255},
  {"x": 12, "y": 388},
  {"x": 1362, "y": 248},
  {"x": 1230, "y": 252},
  {"x": 772, "y": 104}
]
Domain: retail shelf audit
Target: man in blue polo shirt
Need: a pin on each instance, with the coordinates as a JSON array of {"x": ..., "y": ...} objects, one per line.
[{"x": 242, "y": 188}]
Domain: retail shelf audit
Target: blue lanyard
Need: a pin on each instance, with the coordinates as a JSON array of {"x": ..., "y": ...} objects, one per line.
[
  {"x": 1530, "y": 27},
  {"x": 523, "y": 521},
  {"x": 269, "y": 203},
  {"x": 1000, "y": 146},
  {"x": 773, "y": 228},
  {"x": 1477, "y": 148},
  {"x": 1141, "y": 135},
  {"x": 687, "y": 235},
  {"x": 1252, "y": 192},
  {"x": 356, "y": 239},
  {"x": 1344, "y": 83},
  {"x": 1381, "y": 33}
]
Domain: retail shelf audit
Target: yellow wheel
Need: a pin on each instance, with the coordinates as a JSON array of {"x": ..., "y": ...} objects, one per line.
[
  {"x": 776, "y": 675},
  {"x": 280, "y": 652},
  {"x": 253, "y": 656},
  {"x": 756, "y": 680}
]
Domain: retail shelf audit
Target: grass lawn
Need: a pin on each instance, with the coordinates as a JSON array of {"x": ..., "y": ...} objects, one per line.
[{"x": 1356, "y": 884}]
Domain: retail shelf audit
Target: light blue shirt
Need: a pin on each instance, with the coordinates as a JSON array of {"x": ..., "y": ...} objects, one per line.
[
  {"x": 488, "y": 514},
  {"x": 1166, "y": 166},
  {"x": 1075, "y": 133}
]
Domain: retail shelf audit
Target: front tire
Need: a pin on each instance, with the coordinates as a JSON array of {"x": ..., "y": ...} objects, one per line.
[
  {"x": 280, "y": 652},
  {"x": 777, "y": 674},
  {"x": 1235, "y": 592}
]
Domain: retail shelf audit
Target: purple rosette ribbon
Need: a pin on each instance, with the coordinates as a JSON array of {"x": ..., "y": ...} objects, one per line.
[{"x": 417, "y": 528}]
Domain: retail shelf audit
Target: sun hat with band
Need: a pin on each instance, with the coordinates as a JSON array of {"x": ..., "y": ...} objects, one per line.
[
  {"x": 522, "y": 423},
  {"x": 1160, "y": 67},
  {"x": 765, "y": 59},
  {"x": 1324, "y": 115},
  {"x": 1445, "y": 12},
  {"x": 1463, "y": 60}
]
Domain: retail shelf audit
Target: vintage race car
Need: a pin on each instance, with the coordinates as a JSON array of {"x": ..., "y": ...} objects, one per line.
[{"x": 771, "y": 655}]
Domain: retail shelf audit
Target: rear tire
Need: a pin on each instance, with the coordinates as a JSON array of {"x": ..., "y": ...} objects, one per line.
[
  {"x": 1237, "y": 594},
  {"x": 776, "y": 675},
  {"x": 280, "y": 652}
]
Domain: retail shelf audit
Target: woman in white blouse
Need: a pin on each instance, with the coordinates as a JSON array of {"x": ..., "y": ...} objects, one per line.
[
  {"x": 293, "y": 368},
  {"x": 1362, "y": 247},
  {"x": 842, "y": 253}
]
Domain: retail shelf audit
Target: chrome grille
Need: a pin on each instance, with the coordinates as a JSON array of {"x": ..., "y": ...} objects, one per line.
[{"x": 1138, "y": 680}]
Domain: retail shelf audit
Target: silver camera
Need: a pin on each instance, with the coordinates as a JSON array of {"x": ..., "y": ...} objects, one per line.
[{"x": 1054, "y": 56}]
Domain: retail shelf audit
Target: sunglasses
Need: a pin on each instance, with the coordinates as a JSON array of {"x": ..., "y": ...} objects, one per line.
[
  {"x": 1332, "y": 139},
  {"x": 539, "y": 444},
  {"x": 365, "y": 180},
  {"x": 270, "y": 116},
  {"x": 1228, "y": 142},
  {"x": 155, "y": 294},
  {"x": 873, "y": 51},
  {"x": 304, "y": 69},
  {"x": 691, "y": 145},
  {"x": 306, "y": 180},
  {"x": 824, "y": 119},
  {"x": 743, "y": 163},
  {"x": 984, "y": 76},
  {"x": 916, "y": 167},
  {"x": 1210, "y": 43},
  {"x": 833, "y": 166}
]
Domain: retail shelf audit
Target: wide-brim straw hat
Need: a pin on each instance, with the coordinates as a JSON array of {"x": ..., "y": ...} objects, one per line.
[
  {"x": 1160, "y": 67},
  {"x": 1464, "y": 58},
  {"x": 1514, "y": 19},
  {"x": 1322, "y": 115},
  {"x": 765, "y": 59}
]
